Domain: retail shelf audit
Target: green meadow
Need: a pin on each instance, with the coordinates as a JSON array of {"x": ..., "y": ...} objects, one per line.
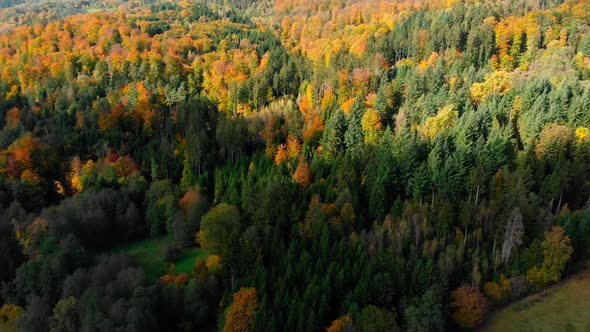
[
  {"x": 149, "y": 253},
  {"x": 563, "y": 307}
]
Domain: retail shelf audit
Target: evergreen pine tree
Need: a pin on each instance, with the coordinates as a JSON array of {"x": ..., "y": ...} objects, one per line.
[
  {"x": 333, "y": 139},
  {"x": 354, "y": 133}
]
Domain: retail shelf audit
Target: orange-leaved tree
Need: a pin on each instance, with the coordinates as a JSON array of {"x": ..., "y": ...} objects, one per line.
[
  {"x": 342, "y": 324},
  {"x": 469, "y": 306},
  {"x": 302, "y": 175},
  {"x": 241, "y": 314}
]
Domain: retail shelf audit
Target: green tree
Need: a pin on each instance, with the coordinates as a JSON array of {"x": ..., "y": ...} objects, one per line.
[
  {"x": 333, "y": 138},
  {"x": 376, "y": 319},
  {"x": 161, "y": 207},
  {"x": 381, "y": 104},
  {"x": 231, "y": 135},
  {"x": 218, "y": 228},
  {"x": 426, "y": 313},
  {"x": 354, "y": 132},
  {"x": 65, "y": 315}
]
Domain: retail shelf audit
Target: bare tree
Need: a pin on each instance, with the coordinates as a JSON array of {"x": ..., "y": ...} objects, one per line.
[{"x": 513, "y": 234}]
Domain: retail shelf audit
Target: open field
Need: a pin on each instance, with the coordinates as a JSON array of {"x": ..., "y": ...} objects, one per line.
[
  {"x": 150, "y": 255},
  {"x": 563, "y": 307}
]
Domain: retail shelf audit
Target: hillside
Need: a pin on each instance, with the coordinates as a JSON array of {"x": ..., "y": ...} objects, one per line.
[{"x": 290, "y": 165}]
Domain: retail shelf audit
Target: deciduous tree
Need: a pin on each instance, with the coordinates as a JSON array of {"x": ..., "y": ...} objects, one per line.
[
  {"x": 241, "y": 314},
  {"x": 218, "y": 228},
  {"x": 469, "y": 306}
]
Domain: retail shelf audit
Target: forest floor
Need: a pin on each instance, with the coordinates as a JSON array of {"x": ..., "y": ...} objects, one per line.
[
  {"x": 563, "y": 307},
  {"x": 150, "y": 255}
]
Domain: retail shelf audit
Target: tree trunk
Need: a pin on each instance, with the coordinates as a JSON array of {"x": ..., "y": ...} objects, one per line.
[
  {"x": 559, "y": 204},
  {"x": 494, "y": 255}
]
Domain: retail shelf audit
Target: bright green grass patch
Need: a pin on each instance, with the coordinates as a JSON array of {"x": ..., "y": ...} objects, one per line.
[
  {"x": 187, "y": 260},
  {"x": 564, "y": 307},
  {"x": 149, "y": 253}
]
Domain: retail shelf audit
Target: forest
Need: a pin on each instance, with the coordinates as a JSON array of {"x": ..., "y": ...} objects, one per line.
[{"x": 289, "y": 165}]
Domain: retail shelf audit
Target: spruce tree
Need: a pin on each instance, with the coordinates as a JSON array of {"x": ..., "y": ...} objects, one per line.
[
  {"x": 354, "y": 133},
  {"x": 333, "y": 139}
]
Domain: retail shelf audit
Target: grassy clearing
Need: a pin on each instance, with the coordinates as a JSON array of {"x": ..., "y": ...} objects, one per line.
[
  {"x": 564, "y": 307},
  {"x": 150, "y": 255},
  {"x": 187, "y": 260}
]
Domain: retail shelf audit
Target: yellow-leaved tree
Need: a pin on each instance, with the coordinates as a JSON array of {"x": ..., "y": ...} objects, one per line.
[
  {"x": 372, "y": 127},
  {"x": 9, "y": 314},
  {"x": 557, "y": 252},
  {"x": 498, "y": 82},
  {"x": 441, "y": 122}
]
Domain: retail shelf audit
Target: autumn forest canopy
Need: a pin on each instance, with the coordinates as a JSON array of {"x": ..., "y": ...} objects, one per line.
[{"x": 289, "y": 165}]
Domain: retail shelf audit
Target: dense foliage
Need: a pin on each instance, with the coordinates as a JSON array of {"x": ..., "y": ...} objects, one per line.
[{"x": 344, "y": 165}]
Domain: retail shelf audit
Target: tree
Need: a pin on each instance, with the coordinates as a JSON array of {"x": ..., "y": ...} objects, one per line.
[
  {"x": 372, "y": 127},
  {"x": 498, "y": 82},
  {"x": 281, "y": 155},
  {"x": 513, "y": 234},
  {"x": 161, "y": 206},
  {"x": 376, "y": 319},
  {"x": 426, "y": 313},
  {"x": 469, "y": 306},
  {"x": 293, "y": 147},
  {"x": 174, "y": 96},
  {"x": 218, "y": 228},
  {"x": 347, "y": 216},
  {"x": 342, "y": 324},
  {"x": 200, "y": 271},
  {"x": 193, "y": 206},
  {"x": 536, "y": 277},
  {"x": 35, "y": 317},
  {"x": 65, "y": 315},
  {"x": 442, "y": 122},
  {"x": 9, "y": 315},
  {"x": 214, "y": 264},
  {"x": 354, "y": 132},
  {"x": 498, "y": 291},
  {"x": 333, "y": 139},
  {"x": 188, "y": 179},
  {"x": 241, "y": 314},
  {"x": 557, "y": 252},
  {"x": 302, "y": 175},
  {"x": 231, "y": 135},
  {"x": 493, "y": 291},
  {"x": 554, "y": 142},
  {"x": 381, "y": 104}
]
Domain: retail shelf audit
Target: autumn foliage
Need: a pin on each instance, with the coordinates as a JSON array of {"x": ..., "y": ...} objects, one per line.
[
  {"x": 557, "y": 251},
  {"x": 342, "y": 324},
  {"x": 241, "y": 314},
  {"x": 302, "y": 175},
  {"x": 469, "y": 306},
  {"x": 347, "y": 160},
  {"x": 498, "y": 291},
  {"x": 9, "y": 315}
]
